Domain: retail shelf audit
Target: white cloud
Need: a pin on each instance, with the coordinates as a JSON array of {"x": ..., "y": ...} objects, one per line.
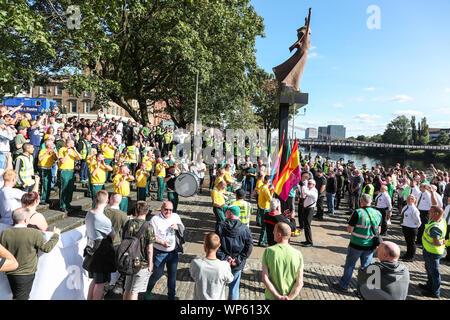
[
  {"x": 312, "y": 48},
  {"x": 337, "y": 105},
  {"x": 369, "y": 89},
  {"x": 365, "y": 118},
  {"x": 400, "y": 98},
  {"x": 312, "y": 55},
  {"x": 443, "y": 110},
  {"x": 447, "y": 90},
  {"x": 408, "y": 113},
  {"x": 334, "y": 68},
  {"x": 357, "y": 100}
]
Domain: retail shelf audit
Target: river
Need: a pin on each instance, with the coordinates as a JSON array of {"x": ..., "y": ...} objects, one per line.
[{"x": 373, "y": 160}]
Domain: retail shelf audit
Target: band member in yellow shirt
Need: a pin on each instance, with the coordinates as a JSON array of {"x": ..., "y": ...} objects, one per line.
[
  {"x": 264, "y": 198},
  {"x": 141, "y": 183},
  {"x": 160, "y": 170},
  {"x": 219, "y": 199},
  {"x": 121, "y": 183},
  {"x": 108, "y": 149},
  {"x": 98, "y": 169},
  {"x": 67, "y": 156},
  {"x": 46, "y": 159},
  {"x": 258, "y": 186},
  {"x": 148, "y": 160},
  {"x": 91, "y": 157},
  {"x": 220, "y": 176},
  {"x": 228, "y": 178}
]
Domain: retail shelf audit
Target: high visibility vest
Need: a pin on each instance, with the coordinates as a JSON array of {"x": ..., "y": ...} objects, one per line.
[
  {"x": 132, "y": 151},
  {"x": 427, "y": 240},
  {"x": 86, "y": 149},
  {"x": 246, "y": 211},
  {"x": 26, "y": 172},
  {"x": 258, "y": 152},
  {"x": 362, "y": 234},
  {"x": 370, "y": 191},
  {"x": 326, "y": 169},
  {"x": 247, "y": 151}
]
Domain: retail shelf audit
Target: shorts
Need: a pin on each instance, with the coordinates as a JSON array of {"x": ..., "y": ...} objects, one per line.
[
  {"x": 137, "y": 283},
  {"x": 99, "y": 277}
]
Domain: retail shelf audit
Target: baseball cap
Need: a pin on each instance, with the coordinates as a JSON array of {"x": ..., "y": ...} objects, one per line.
[
  {"x": 235, "y": 210},
  {"x": 21, "y": 128}
]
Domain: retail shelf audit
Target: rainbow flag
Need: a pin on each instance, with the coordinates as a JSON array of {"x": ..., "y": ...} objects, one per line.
[
  {"x": 275, "y": 171},
  {"x": 290, "y": 176}
]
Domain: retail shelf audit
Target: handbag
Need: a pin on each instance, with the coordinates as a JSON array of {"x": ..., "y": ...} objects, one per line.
[{"x": 377, "y": 239}]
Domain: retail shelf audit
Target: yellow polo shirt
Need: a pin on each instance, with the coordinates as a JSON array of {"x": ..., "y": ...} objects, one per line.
[
  {"x": 259, "y": 185},
  {"x": 217, "y": 197},
  {"x": 160, "y": 170},
  {"x": 100, "y": 175},
  {"x": 48, "y": 160},
  {"x": 149, "y": 165},
  {"x": 125, "y": 189},
  {"x": 228, "y": 179},
  {"x": 70, "y": 162},
  {"x": 141, "y": 180},
  {"x": 108, "y": 150},
  {"x": 264, "y": 198},
  {"x": 218, "y": 180}
]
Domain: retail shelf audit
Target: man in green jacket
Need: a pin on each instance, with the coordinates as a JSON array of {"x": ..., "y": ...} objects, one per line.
[{"x": 24, "y": 244}]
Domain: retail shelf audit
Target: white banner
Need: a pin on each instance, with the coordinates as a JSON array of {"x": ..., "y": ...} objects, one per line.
[{"x": 60, "y": 275}]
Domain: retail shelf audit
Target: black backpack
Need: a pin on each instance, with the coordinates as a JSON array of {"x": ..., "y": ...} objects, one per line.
[{"x": 128, "y": 257}]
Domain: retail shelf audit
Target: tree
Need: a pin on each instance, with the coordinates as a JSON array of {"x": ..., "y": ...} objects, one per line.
[
  {"x": 151, "y": 50},
  {"x": 25, "y": 46},
  {"x": 423, "y": 134},
  {"x": 397, "y": 131},
  {"x": 413, "y": 130},
  {"x": 442, "y": 140}
]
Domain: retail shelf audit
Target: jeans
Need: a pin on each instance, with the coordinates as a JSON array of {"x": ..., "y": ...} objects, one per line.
[
  {"x": 330, "y": 202},
  {"x": 160, "y": 259},
  {"x": 432, "y": 266},
  {"x": 83, "y": 170},
  {"x": 249, "y": 183},
  {"x": 54, "y": 174},
  {"x": 353, "y": 255},
  {"x": 233, "y": 293}
]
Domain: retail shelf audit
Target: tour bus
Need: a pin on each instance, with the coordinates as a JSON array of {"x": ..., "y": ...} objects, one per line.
[{"x": 33, "y": 106}]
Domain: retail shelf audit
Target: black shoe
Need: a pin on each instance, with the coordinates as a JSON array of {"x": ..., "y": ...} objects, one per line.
[
  {"x": 306, "y": 244},
  {"x": 64, "y": 210},
  {"x": 429, "y": 294},
  {"x": 337, "y": 286},
  {"x": 407, "y": 259},
  {"x": 424, "y": 287}
]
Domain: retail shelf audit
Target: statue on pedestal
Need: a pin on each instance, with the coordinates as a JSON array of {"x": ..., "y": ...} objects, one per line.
[{"x": 289, "y": 73}]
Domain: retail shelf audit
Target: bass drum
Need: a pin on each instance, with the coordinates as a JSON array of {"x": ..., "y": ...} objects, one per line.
[{"x": 186, "y": 184}]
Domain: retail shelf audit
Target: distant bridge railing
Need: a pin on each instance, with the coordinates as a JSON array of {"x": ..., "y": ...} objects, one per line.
[{"x": 371, "y": 145}]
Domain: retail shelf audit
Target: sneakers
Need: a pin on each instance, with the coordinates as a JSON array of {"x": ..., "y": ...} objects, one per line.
[{"x": 306, "y": 244}]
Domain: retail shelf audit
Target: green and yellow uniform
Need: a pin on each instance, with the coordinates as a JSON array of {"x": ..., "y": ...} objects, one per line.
[
  {"x": 45, "y": 171},
  {"x": 67, "y": 177}
]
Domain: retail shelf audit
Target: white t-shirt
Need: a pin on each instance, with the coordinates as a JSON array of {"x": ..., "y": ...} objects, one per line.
[
  {"x": 201, "y": 166},
  {"x": 163, "y": 231},
  {"x": 211, "y": 278},
  {"x": 10, "y": 200}
]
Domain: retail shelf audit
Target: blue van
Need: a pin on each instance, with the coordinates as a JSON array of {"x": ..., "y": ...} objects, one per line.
[{"x": 33, "y": 106}]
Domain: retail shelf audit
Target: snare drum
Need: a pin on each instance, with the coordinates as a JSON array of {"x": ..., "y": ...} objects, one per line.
[{"x": 187, "y": 184}]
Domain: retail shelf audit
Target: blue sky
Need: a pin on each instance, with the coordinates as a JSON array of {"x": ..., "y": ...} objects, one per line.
[{"x": 361, "y": 77}]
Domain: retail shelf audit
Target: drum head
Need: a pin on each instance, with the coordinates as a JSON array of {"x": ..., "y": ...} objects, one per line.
[{"x": 186, "y": 185}]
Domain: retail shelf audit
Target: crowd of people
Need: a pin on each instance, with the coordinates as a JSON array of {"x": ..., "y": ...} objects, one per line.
[{"x": 44, "y": 154}]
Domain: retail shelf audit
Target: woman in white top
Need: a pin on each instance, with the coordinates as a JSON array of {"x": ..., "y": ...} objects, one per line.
[{"x": 410, "y": 225}]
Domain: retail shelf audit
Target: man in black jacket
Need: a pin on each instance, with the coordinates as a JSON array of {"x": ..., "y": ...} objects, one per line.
[
  {"x": 340, "y": 188},
  {"x": 236, "y": 246},
  {"x": 331, "y": 190},
  {"x": 274, "y": 216},
  {"x": 321, "y": 183}
]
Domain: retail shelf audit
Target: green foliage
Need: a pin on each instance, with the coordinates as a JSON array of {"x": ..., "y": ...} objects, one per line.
[
  {"x": 151, "y": 51},
  {"x": 398, "y": 131}
]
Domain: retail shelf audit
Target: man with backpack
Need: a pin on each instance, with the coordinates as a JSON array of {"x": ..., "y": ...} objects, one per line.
[{"x": 139, "y": 232}]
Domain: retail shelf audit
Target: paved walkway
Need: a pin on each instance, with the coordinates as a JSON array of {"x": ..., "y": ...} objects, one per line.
[{"x": 323, "y": 262}]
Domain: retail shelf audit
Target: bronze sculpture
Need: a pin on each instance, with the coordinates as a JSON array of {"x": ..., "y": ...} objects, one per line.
[{"x": 289, "y": 73}]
